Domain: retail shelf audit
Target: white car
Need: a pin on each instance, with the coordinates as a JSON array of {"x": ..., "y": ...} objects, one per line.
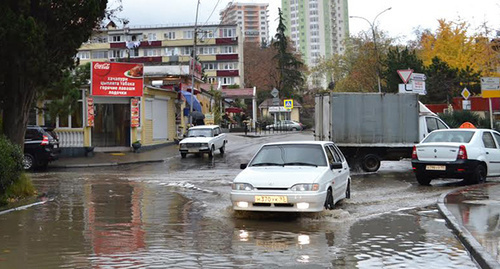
[
  {"x": 470, "y": 154},
  {"x": 301, "y": 176},
  {"x": 203, "y": 139}
]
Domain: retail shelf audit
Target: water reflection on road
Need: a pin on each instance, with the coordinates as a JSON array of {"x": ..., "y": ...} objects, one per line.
[{"x": 126, "y": 221}]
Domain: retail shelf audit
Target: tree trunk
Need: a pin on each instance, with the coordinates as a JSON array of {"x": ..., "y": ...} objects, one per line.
[{"x": 16, "y": 108}]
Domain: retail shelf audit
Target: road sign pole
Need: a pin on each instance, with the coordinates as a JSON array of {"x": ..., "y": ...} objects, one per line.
[{"x": 491, "y": 114}]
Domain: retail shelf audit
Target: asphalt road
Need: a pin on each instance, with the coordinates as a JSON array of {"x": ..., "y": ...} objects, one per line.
[{"x": 178, "y": 214}]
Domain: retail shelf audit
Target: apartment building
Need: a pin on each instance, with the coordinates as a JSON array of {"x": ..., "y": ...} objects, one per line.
[
  {"x": 219, "y": 48},
  {"x": 317, "y": 27},
  {"x": 252, "y": 18}
]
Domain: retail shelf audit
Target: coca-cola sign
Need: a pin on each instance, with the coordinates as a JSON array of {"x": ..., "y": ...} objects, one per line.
[{"x": 117, "y": 79}]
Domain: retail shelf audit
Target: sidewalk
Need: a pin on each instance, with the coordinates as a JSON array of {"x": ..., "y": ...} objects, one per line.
[{"x": 474, "y": 213}]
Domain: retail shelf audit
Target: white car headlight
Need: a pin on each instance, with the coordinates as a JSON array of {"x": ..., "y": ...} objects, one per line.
[
  {"x": 204, "y": 145},
  {"x": 305, "y": 187},
  {"x": 183, "y": 146},
  {"x": 242, "y": 187}
]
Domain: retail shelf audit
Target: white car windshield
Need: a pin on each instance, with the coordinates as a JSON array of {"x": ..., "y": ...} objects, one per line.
[
  {"x": 200, "y": 133},
  {"x": 290, "y": 154},
  {"x": 449, "y": 136}
]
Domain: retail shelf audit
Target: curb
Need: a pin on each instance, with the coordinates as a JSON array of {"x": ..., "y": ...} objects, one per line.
[
  {"x": 477, "y": 251},
  {"x": 104, "y": 164}
]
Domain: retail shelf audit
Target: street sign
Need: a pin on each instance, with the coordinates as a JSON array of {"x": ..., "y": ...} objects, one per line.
[
  {"x": 466, "y": 104},
  {"x": 465, "y": 93},
  {"x": 274, "y": 92},
  {"x": 490, "y": 87},
  {"x": 418, "y": 76},
  {"x": 405, "y": 75},
  {"x": 276, "y": 101},
  {"x": 288, "y": 104}
]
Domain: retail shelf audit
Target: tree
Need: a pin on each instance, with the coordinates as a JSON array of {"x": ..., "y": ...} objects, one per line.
[
  {"x": 442, "y": 82},
  {"x": 453, "y": 44},
  {"x": 399, "y": 59},
  {"x": 260, "y": 68},
  {"x": 39, "y": 40},
  {"x": 65, "y": 93},
  {"x": 290, "y": 79}
]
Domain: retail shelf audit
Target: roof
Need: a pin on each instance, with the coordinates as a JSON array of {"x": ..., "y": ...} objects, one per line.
[
  {"x": 269, "y": 103},
  {"x": 237, "y": 93},
  {"x": 204, "y": 127},
  {"x": 311, "y": 142}
]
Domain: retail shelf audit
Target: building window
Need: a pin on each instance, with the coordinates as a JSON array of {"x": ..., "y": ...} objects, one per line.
[
  {"x": 169, "y": 35},
  {"x": 226, "y": 80},
  {"x": 100, "y": 54},
  {"x": 227, "y": 50},
  {"x": 134, "y": 52},
  {"x": 115, "y": 38},
  {"x": 187, "y": 50},
  {"x": 152, "y": 52},
  {"x": 228, "y": 32},
  {"x": 83, "y": 55},
  {"x": 117, "y": 54},
  {"x": 172, "y": 51},
  {"x": 188, "y": 34}
]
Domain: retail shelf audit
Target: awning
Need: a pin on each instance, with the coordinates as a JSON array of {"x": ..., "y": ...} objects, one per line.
[
  {"x": 196, "y": 103},
  {"x": 234, "y": 110}
]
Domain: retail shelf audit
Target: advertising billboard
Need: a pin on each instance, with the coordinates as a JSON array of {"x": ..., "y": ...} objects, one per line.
[{"x": 117, "y": 79}]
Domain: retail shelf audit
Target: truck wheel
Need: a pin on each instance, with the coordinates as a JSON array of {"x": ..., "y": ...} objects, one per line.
[
  {"x": 370, "y": 163},
  {"x": 329, "y": 200},
  {"x": 423, "y": 179},
  {"x": 478, "y": 176}
]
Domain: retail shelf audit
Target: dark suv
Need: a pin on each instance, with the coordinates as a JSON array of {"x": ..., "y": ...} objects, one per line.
[{"x": 40, "y": 148}]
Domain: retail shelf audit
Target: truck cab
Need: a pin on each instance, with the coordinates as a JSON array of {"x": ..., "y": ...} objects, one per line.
[{"x": 428, "y": 122}]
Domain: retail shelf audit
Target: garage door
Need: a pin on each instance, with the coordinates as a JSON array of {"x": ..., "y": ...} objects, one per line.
[{"x": 160, "y": 119}]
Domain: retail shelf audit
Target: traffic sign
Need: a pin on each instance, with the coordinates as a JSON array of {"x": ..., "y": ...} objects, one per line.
[
  {"x": 418, "y": 76},
  {"x": 274, "y": 92},
  {"x": 405, "y": 75},
  {"x": 490, "y": 87},
  {"x": 288, "y": 103},
  {"x": 276, "y": 101},
  {"x": 465, "y": 93}
]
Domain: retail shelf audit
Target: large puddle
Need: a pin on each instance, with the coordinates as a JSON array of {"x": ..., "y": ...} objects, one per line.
[{"x": 167, "y": 221}]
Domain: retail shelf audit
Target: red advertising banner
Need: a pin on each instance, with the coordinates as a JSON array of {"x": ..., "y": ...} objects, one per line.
[
  {"x": 135, "y": 116},
  {"x": 117, "y": 79},
  {"x": 90, "y": 112}
]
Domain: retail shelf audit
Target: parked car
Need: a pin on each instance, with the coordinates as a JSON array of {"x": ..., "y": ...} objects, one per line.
[
  {"x": 469, "y": 154},
  {"x": 301, "y": 176},
  {"x": 40, "y": 148},
  {"x": 203, "y": 139},
  {"x": 286, "y": 125}
]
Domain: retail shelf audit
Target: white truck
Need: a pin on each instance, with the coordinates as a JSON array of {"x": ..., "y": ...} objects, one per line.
[{"x": 371, "y": 127}]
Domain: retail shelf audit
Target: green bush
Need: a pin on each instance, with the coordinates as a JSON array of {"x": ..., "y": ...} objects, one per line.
[
  {"x": 11, "y": 166},
  {"x": 457, "y": 117},
  {"x": 19, "y": 189}
]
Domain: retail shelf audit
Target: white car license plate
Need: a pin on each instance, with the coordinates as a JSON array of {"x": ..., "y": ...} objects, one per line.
[
  {"x": 271, "y": 199},
  {"x": 436, "y": 167},
  {"x": 194, "y": 150}
]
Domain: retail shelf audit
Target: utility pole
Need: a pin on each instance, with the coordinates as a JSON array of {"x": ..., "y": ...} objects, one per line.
[
  {"x": 372, "y": 26},
  {"x": 193, "y": 63}
]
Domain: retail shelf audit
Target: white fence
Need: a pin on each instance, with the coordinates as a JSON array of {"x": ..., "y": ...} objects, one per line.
[{"x": 70, "y": 138}]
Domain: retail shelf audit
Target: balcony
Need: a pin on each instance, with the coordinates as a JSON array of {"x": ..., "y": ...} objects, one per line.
[
  {"x": 228, "y": 73},
  {"x": 225, "y": 57},
  {"x": 226, "y": 41}
]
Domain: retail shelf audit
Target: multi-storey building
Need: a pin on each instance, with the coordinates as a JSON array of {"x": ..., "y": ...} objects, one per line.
[
  {"x": 317, "y": 27},
  {"x": 219, "y": 48},
  {"x": 251, "y": 17}
]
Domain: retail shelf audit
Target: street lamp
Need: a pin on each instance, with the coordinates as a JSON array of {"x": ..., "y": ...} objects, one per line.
[{"x": 372, "y": 25}]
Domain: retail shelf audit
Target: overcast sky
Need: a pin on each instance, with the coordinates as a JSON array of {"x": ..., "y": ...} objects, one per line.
[{"x": 401, "y": 21}]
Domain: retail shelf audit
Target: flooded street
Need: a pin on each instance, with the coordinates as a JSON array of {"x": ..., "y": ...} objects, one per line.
[{"x": 177, "y": 214}]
